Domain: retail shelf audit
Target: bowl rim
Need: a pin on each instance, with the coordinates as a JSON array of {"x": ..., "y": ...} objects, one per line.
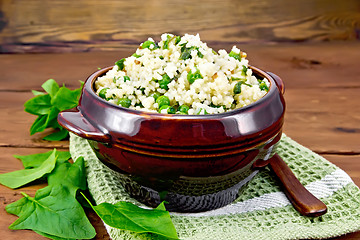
[{"x": 90, "y": 81}]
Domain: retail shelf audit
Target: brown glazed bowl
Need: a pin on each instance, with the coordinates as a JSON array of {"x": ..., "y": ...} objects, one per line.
[{"x": 193, "y": 162}]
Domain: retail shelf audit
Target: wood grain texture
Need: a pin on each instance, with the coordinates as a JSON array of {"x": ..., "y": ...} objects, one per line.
[
  {"x": 87, "y": 25},
  {"x": 301, "y": 65}
]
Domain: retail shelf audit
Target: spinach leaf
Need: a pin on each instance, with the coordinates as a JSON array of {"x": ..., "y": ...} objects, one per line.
[
  {"x": 61, "y": 215},
  {"x": 38, "y": 125},
  {"x": 39, "y": 105},
  {"x": 167, "y": 41},
  {"x": 37, "y": 93},
  {"x": 57, "y": 136},
  {"x": 70, "y": 175},
  {"x": 127, "y": 216},
  {"x": 35, "y": 160},
  {"x": 24, "y": 176},
  {"x": 186, "y": 52},
  {"x": 66, "y": 98},
  {"x": 121, "y": 64},
  {"x": 237, "y": 56},
  {"x": 51, "y": 87},
  {"x": 47, "y": 107},
  {"x": 191, "y": 77},
  {"x": 150, "y": 45}
]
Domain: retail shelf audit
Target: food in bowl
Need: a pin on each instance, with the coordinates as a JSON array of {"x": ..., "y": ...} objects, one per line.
[
  {"x": 193, "y": 162},
  {"x": 182, "y": 75}
]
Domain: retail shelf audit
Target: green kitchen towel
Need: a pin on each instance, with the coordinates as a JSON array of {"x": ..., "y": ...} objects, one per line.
[{"x": 261, "y": 212}]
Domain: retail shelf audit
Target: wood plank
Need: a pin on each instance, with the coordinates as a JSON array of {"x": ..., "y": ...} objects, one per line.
[
  {"x": 305, "y": 65},
  {"x": 325, "y": 120},
  {"x": 89, "y": 24}
]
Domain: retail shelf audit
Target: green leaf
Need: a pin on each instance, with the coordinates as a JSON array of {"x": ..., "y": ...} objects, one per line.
[
  {"x": 35, "y": 160},
  {"x": 17, "y": 207},
  {"x": 39, "y": 105},
  {"x": 48, "y": 106},
  {"x": 191, "y": 77},
  {"x": 148, "y": 43},
  {"x": 120, "y": 63},
  {"x": 51, "y": 120},
  {"x": 38, "y": 125},
  {"x": 52, "y": 236},
  {"x": 37, "y": 93},
  {"x": 51, "y": 87},
  {"x": 66, "y": 98},
  {"x": 237, "y": 56},
  {"x": 127, "y": 216},
  {"x": 70, "y": 175},
  {"x": 24, "y": 176},
  {"x": 53, "y": 211},
  {"x": 57, "y": 136}
]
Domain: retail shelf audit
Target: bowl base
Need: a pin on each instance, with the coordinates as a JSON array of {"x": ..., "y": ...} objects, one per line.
[{"x": 175, "y": 202}]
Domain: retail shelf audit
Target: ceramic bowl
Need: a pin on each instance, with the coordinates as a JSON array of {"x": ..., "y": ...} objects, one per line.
[{"x": 193, "y": 162}]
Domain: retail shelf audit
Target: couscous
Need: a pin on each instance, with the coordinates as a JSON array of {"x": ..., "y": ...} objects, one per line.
[{"x": 181, "y": 75}]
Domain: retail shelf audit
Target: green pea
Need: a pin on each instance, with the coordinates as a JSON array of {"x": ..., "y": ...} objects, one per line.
[
  {"x": 156, "y": 95},
  {"x": 103, "y": 92},
  {"x": 162, "y": 101},
  {"x": 237, "y": 87},
  {"x": 184, "y": 109},
  {"x": 126, "y": 78},
  {"x": 170, "y": 110},
  {"x": 124, "y": 102}
]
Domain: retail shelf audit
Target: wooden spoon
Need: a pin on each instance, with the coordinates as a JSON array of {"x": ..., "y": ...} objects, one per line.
[{"x": 302, "y": 200}]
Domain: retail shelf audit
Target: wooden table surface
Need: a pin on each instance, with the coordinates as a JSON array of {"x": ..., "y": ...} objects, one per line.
[{"x": 322, "y": 95}]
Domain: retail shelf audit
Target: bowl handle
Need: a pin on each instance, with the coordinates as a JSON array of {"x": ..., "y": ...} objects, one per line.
[
  {"x": 302, "y": 200},
  {"x": 278, "y": 81},
  {"x": 74, "y": 121}
]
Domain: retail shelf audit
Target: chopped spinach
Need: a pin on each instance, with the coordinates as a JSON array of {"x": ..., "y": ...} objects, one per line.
[
  {"x": 163, "y": 83},
  {"x": 186, "y": 52},
  {"x": 191, "y": 77},
  {"x": 121, "y": 64},
  {"x": 148, "y": 44},
  {"x": 237, "y": 56}
]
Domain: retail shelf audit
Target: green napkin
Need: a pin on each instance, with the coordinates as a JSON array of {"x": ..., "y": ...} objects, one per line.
[{"x": 261, "y": 212}]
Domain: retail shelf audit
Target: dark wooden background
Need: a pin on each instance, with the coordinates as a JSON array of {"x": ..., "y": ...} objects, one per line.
[
  {"x": 313, "y": 45},
  {"x": 88, "y": 25}
]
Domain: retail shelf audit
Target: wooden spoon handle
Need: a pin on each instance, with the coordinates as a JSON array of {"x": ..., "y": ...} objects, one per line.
[{"x": 302, "y": 200}]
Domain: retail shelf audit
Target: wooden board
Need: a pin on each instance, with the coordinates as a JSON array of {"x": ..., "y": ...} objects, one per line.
[
  {"x": 87, "y": 25},
  {"x": 305, "y": 65}
]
